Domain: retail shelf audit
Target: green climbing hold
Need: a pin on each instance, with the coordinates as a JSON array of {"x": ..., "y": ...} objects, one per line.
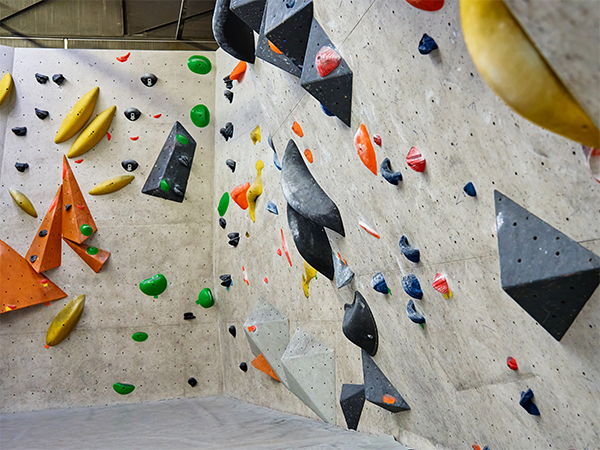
[
  {"x": 200, "y": 116},
  {"x": 86, "y": 230},
  {"x": 92, "y": 250},
  {"x": 205, "y": 298},
  {"x": 164, "y": 185},
  {"x": 123, "y": 389},
  {"x": 154, "y": 286},
  {"x": 182, "y": 139},
  {"x": 223, "y": 204},
  {"x": 199, "y": 64},
  {"x": 140, "y": 336}
]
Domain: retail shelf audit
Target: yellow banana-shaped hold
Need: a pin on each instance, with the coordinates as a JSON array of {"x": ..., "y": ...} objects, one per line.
[
  {"x": 65, "y": 321},
  {"x": 6, "y": 85},
  {"x": 255, "y": 189},
  {"x": 78, "y": 116},
  {"x": 310, "y": 274},
  {"x": 511, "y": 65},
  {"x": 23, "y": 202},
  {"x": 93, "y": 133},
  {"x": 112, "y": 185}
]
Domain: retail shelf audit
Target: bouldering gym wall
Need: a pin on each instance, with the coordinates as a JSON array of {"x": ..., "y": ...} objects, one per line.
[{"x": 378, "y": 215}]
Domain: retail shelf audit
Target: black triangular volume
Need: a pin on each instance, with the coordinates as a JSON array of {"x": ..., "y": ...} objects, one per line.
[
  {"x": 231, "y": 33},
  {"x": 359, "y": 325},
  {"x": 378, "y": 389},
  {"x": 250, "y": 11},
  {"x": 547, "y": 273},
  {"x": 352, "y": 400}
]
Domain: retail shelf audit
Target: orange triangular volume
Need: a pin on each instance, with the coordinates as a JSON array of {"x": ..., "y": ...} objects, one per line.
[
  {"x": 261, "y": 364},
  {"x": 78, "y": 213},
  {"x": 20, "y": 285},
  {"x": 45, "y": 250},
  {"x": 92, "y": 256}
]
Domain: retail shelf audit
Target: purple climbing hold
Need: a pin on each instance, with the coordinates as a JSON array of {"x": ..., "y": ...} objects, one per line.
[
  {"x": 527, "y": 403},
  {"x": 427, "y": 45},
  {"x": 412, "y": 286}
]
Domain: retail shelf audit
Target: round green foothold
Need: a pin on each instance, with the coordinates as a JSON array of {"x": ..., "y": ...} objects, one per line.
[
  {"x": 164, "y": 185},
  {"x": 92, "y": 250},
  {"x": 86, "y": 230},
  {"x": 223, "y": 204},
  {"x": 205, "y": 298},
  {"x": 199, "y": 64},
  {"x": 154, "y": 286},
  {"x": 182, "y": 139},
  {"x": 200, "y": 116},
  {"x": 140, "y": 336},
  {"x": 123, "y": 389}
]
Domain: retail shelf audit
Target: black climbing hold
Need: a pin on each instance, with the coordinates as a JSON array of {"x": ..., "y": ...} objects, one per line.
[
  {"x": 427, "y": 45},
  {"x": 413, "y": 314},
  {"x": 42, "y": 79},
  {"x": 41, "y": 113},
  {"x": 234, "y": 239},
  {"x": 359, "y": 325},
  {"x": 32, "y": 258},
  {"x": 231, "y": 33},
  {"x": 412, "y": 254},
  {"x": 184, "y": 160},
  {"x": 43, "y": 233},
  {"x": 352, "y": 401},
  {"x": 387, "y": 172},
  {"x": 412, "y": 286},
  {"x": 326, "y": 111},
  {"x": 222, "y": 222},
  {"x": 547, "y": 273},
  {"x": 188, "y": 316},
  {"x": 270, "y": 141},
  {"x": 378, "y": 283},
  {"x": 228, "y": 95},
  {"x": 232, "y": 330},
  {"x": 231, "y": 164},
  {"x": 129, "y": 165},
  {"x": 169, "y": 167},
  {"x": 192, "y": 382},
  {"x": 378, "y": 389},
  {"x": 178, "y": 192},
  {"x": 470, "y": 189},
  {"x": 334, "y": 90},
  {"x": 304, "y": 195},
  {"x": 225, "y": 280},
  {"x": 250, "y": 11},
  {"x": 132, "y": 114},
  {"x": 228, "y": 82},
  {"x": 149, "y": 79},
  {"x": 21, "y": 167},
  {"x": 58, "y": 78},
  {"x": 67, "y": 207},
  {"x": 244, "y": 367},
  {"x": 227, "y": 131},
  {"x": 527, "y": 403},
  {"x": 20, "y": 131}
]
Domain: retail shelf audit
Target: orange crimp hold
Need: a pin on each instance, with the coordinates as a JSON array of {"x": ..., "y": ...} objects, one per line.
[
  {"x": 78, "y": 213},
  {"x": 308, "y": 155},
  {"x": 239, "y": 195},
  {"x": 238, "y": 71},
  {"x": 21, "y": 285},
  {"x": 261, "y": 364},
  {"x": 389, "y": 399},
  {"x": 365, "y": 149},
  {"x": 274, "y": 49},
  {"x": 368, "y": 229},
  {"x": 45, "y": 251},
  {"x": 92, "y": 256},
  {"x": 296, "y": 128}
]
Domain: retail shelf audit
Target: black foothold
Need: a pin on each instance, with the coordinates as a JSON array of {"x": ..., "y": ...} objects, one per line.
[
  {"x": 389, "y": 175},
  {"x": 222, "y": 222},
  {"x": 244, "y": 367},
  {"x": 67, "y": 207},
  {"x": 132, "y": 114},
  {"x": 20, "y": 131},
  {"x": 226, "y": 280},
  {"x": 42, "y": 79},
  {"x": 412, "y": 254},
  {"x": 177, "y": 191},
  {"x": 427, "y": 45},
  {"x": 149, "y": 79},
  {"x": 233, "y": 235},
  {"x": 129, "y": 165},
  {"x": 21, "y": 167},
  {"x": 32, "y": 258},
  {"x": 228, "y": 82},
  {"x": 192, "y": 382},
  {"x": 227, "y": 131},
  {"x": 41, "y": 113},
  {"x": 232, "y": 330},
  {"x": 470, "y": 189},
  {"x": 184, "y": 160},
  {"x": 352, "y": 400},
  {"x": 188, "y": 316},
  {"x": 234, "y": 241},
  {"x": 43, "y": 233},
  {"x": 359, "y": 325},
  {"x": 58, "y": 78},
  {"x": 228, "y": 95},
  {"x": 231, "y": 164}
]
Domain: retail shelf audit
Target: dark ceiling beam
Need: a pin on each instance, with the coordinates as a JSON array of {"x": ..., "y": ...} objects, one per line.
[
  {"x": 172, "y": 22},
  {"x": 181, "y": 21},
  {"x": 16, "y": 13}
]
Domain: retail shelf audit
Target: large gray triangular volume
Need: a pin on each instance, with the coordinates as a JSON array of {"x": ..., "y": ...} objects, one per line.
[
  {"x": 547, "y": 273},
  {"x": 231, "y": 33},
  {"x": 264, "y": 52},
  {"x": 352, "y": 400},
  {"x": 172, "y": 167},
  {"x": 378, "y": 389},
  {"x": 250, "y": 11}
]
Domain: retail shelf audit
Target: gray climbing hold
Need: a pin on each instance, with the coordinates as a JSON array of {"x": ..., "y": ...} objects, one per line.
[
  {"x": 231, "y": 33},
  {"x": 129, "y": 165},
  {"x": 58, "y": 78},
  {"x": 149, "y": 79},
  {"x": 389, "y": 175},
  {"x": 359, "y": 325},
  {"x": 352, "y": 401},
  {"x": 343, "y": 273},
  {"x": 378, "y": 389},
  {"x": 272, "y": 207},
  {"x": 413, "y": 314},
  {"x": 412, "y": 254},
  {"x": 132, "y": 114},
  {"x": 412, "y": 287},
  {"x": 41, "y": 113}
]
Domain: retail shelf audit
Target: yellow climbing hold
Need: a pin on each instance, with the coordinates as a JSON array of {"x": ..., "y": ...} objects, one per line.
[
  {"x": 65, "y": 321},
  {"x": 93, "y": 133},
  {"x": 310, "y": 274},
  {"x": 255, "y": 189},
  {"x": 78, "y": 116},
  {"x": 112, "y": 185},
  {"x": 255, "y": 135},
  {"x": 6, "y": 85},
  {"x": 23, "y": 202}
]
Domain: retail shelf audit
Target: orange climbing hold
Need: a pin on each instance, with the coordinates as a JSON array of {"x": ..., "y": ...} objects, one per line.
[
  {"x": 476, "y": 447},
  {"x": 389, "y": 399},
  {"x": 21, "y": 285},
  {"x": 92, "y": 256},
  {"x": 512, "y": 363},
  {"x": 261, "y": 364},
  {"x": 239, "y": 195},
  {"x": 415, "y": 160},
  {"x": 45, "y": 250},
  {"x": 285, "y": 250},
  {"x": 365, "y": 149},
  {"x": 309, "y": 156},
  {"x": 74, "y": 218},
  {"x": 274, "y": 49},
  {"x": 252, "y": 328},
  {"x": 245, "y": 276},
  {"x": 427, "y": 5},
  {"x": 238, "y": 71},
  {"x": 368, "y": 229},
  {"x": 296, "y": 128}
]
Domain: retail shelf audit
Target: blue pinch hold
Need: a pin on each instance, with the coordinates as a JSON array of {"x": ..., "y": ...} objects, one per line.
[
  {"x": 527, "y": 403},
  {"x": 387, "y": 172},
  {"x": 427, "y": 45},
  {"x": 326, "y": 111},
  {"x": 412, "y": 254},
  {"x": 272, "y": 207},
  {"x": 379, "y": 284},
  {"x": 412, "y": 286},
  {"x": 413, "y": 314},
  {"x": 470, "y": 189}
]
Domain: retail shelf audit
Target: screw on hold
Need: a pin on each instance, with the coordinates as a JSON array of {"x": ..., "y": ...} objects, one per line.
[
  {"x": 58, "y": 78},
  {"x": 184, "y": 160},
  {"x": 177, "y": 191},
  {"x": 228, "y": 95},
  {"x": 412, "y": 254},
  {"x": 129, "y": 165},
  {"x": 86, "y": 230},
  {"x": 42, "y": 79},
  {"x": 512, "y": 363},
  {"x": 470, "y": 189},
  {"x": 132, "y": 114},
  {"x": 326, "y": 111},
  {"x": 188, "y": 316},
  {"x": 43, "y": 233},
  {"x": 92, "y": 250},
  {"x": 272, "y": 208},
  {"x": 21, "y": 167},
  {"x": 232, "y": 330},
  {"x": 164, "y": 185},
  {"x": 149, "y": 79},
  {"x": 68, "y": 207},
  {"x": 42, "y": 114},
  {"x": 32, "y": 258},
  {"x": 378, "y": 283},
  {"x": 192, "y": 382},
  {"x": 244, "y": 367},
  {"x": 234, "y": 239},
  {"x": 413, "y": 314},
  {"x": 19, "y": 131},
  {"x": 228, "y": 82},
  {"x": 290, "y": 3},
  {"x": 226, "y": 280},
  {"x": 182, "y": 139},
  {"x": 222, "y": 222},
  {"x": 427, "y": 45},
  {"x": 231, "y": 164}
]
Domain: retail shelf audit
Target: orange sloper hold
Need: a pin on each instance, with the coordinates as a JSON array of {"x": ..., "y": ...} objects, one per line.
[
  {"x": 238, "y": 71},
  {"x": 75, "y": 210},
  {"x": 261, "y": 364},
  {"x": 20, "y": 285},
  {"x": 365, "y": 149},
  {"x": 92, "y": 256},
  {"x": 239, "y": 195},
  {"x": 45, "y": 251},
  {"x": 309, "y": 156},
  {"x": 296, "y": 128}
]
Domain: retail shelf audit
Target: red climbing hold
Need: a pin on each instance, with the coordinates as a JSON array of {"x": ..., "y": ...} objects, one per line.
[
  {"x": 245, "y": 276},
  {"x": 108, "y": 136},
  {"x": 81, "y": 207},
  {"x": 440, "y": 284},
  {"x": 134, "y": 138},
  {"x": 427, "y": 5},
  {"x": 123, "y": 58},
  {"x": 309, "y": 156},
  {"x": 327, "y": 60},
  {"x": 377, "y": 139},
  {"x": 156, "y": 116},
  {"x": 239, "y": 195},
  {"x": 238, "y": 71},
  {"x": 266, "y": 280},
  {"x": 415, "y": 160},
  {"x": 78, "y": 161},
  {"x": 252, "y": 328},
  {"x": 278, "y": 252},
  {"x": 296, "y": 128},
  {"x": 365, "y": 149},
  {"x": 512, "y": 363},
  {"x": 285, "y": 250}
]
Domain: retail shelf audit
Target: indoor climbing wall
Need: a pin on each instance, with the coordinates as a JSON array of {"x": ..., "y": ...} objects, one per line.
[
  {"x": 146, "y": 235},
  {"x": 452, "y": 371}
]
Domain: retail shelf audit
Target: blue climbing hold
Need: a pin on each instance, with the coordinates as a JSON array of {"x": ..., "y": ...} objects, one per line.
[
  {"x": 427, "y": 45},
  {"x": 470, "y": 189},
  {"x": 326, "y": 111},
  {"x": 413, "y": 314},
  {"x": 527, "y": 403},
  {"x": 272, "y": 207},
  {"x": 412, "y": 254},
  {"x": 379, "y": 284},
  {"x": 412, "y": 286},
  {"x": 387, "y": 172}
]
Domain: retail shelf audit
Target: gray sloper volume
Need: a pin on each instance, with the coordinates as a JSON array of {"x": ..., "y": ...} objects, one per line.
[
  {"x": 378, "y": 389},
  {"x": 359, "y": 325},
  {"x": 173, "y": 165},
  {"x": 250, "y": 11},
  {"x": 231, "y": 33},
  {"x": 303, "y": 193},
  {"x": 547, "y": 273},
  {"x": 334, "y": 91}
]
